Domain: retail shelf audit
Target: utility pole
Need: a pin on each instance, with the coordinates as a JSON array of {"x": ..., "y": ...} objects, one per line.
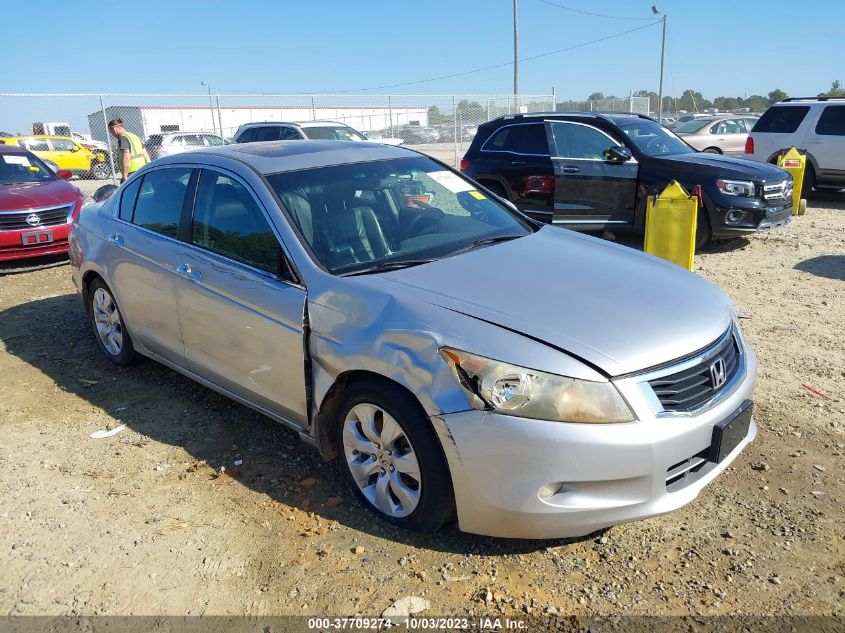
[
  {"x": 662, "y": 60},
  {"x": 210, "y": 106},
  {"x": 515, "y": 50}
]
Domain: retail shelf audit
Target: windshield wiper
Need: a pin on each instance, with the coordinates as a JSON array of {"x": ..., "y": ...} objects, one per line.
[
  {"x": 385, "y": 266},
  {"x": 486, "y": 241}
]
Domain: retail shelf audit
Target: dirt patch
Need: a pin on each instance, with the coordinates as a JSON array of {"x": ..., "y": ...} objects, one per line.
[{"x": 159, "y": 519}]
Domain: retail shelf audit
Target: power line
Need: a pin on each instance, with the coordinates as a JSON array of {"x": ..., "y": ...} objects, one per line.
[
  {"x": 595, "y": 15},
  {"x": 478, "y": 70}
]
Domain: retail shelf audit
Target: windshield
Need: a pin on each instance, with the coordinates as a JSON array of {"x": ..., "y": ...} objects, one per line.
[
  {"x": 652, "y": 139},
  {"x": 333, "y": 133},
  {"x": 690, "y": 127},
  {"x": 22, "y": 167},
  {"x": 382, "y": 213}
]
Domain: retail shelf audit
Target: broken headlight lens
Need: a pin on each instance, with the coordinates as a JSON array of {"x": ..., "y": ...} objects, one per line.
[{"x": 513, "y": 390}]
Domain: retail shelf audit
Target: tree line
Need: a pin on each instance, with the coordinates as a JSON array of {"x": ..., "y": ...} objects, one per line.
[{"x": 694, "y": 101}]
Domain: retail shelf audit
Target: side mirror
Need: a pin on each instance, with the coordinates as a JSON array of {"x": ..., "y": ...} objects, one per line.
[
  {"x": 65, "y": 174},
  {"x": 104, "y": 193},
  {"x": 618, "y": 154}
]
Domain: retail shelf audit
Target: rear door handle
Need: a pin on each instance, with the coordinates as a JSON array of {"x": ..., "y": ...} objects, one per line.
[
  {"x": 116, "y": 238},
  {"x": 518, "y": 162},
  {"x": 189, "y": 273},
  {"x": 569, "y": 170}
]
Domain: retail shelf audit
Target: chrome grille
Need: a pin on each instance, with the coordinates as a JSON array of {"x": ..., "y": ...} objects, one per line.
[
  {"x": 692, "y": 387},
  {"x": 17, "y": 220},
  {"x": 778, "y": 193}
]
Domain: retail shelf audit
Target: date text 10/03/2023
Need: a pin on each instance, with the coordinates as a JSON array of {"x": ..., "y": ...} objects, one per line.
[{"x": 416, "y": 624}]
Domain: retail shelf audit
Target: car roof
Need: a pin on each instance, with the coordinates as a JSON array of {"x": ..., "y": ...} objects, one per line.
[
  {"x": 293, "y": 123},
  {"x": 605, "y": 116},
  {"x": 12, "y": 149},
  {"x": 277, "y": 156},
  {"x": 23, "y": 136}
]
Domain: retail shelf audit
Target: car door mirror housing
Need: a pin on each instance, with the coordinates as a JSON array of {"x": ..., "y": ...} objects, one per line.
[{"x": 618, "y": 154}]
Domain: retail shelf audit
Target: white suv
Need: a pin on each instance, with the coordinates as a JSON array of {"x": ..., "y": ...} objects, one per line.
[{"x": 815, "y": 125}]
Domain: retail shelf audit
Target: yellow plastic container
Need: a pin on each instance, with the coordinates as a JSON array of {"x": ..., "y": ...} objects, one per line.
[
  {"x": 794, "y": 163},
  {"x": 670, "y": 225}
]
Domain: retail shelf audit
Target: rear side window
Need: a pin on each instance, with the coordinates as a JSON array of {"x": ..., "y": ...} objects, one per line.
[
  {"x": 228, "y": 221},
  {"x": 248, "y": 136},
  {"x": 160, "y": 200},
  {"x": 522, "y": 139},
  {"x": 127, "y": 200},
  {"x": 781, "y": 119},
  {"x": 832, "y": 121},
  {"x": 35, "y": 145}
]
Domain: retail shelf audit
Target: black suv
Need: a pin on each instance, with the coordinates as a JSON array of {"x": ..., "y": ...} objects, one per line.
[{"x": 592, "y": 171}]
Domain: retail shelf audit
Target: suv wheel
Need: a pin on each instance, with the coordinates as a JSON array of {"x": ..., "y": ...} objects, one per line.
[{"x": 392, "y": 459}]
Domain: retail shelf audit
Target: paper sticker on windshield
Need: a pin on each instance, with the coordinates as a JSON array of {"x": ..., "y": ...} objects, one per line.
[
  {"x": 477, "y": 195},
  {"x": 12, "y": 159},
  {"x": 452, "y": 182}
]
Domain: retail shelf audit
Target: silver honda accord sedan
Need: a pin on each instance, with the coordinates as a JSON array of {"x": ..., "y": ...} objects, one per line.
[{"x": 459, "y": 359}]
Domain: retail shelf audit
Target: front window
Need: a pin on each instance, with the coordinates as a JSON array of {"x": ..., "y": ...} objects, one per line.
[
  {"x": 383, "y": 214},
  {"x": 21, "y": 167},
  {"x": 333, "y": 133},
  {"x": 652, "y": 139}
]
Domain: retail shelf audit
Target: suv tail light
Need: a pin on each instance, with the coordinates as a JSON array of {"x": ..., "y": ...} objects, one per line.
[
  {"x": 464, "y": 164},
  {"x": 749, "y": 145}
]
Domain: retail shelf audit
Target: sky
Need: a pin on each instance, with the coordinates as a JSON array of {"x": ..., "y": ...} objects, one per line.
[{"x": 717, "y": 47}]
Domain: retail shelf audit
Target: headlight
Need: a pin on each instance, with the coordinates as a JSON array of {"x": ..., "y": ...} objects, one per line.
[
  {"x": 744, "y": 188},
  {"x": 528, "y": 393}
]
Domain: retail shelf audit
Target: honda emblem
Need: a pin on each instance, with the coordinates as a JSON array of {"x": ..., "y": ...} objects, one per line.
[{"x": 718, "y": 373}]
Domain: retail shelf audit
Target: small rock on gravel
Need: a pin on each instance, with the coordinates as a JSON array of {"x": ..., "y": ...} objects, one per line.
[{"x": 405, "y": 607}]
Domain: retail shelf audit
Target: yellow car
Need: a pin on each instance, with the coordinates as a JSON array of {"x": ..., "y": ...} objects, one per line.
[{"x": 65, "y": 153}]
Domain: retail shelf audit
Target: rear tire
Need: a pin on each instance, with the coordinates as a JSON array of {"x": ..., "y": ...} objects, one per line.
[
  {"x": 496, "y": 188},
  {"x": 809, "y": 181},
  {"x": 712, "y": 150},
  {"x": 107, "y": 322},
  {"x": 99, "y": 171},
  {"x": 703, "y": 232},
  {"x": 392, "y": 458}
]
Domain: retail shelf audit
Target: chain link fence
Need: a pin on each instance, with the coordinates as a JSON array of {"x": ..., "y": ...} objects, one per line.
[
  {"x": 637, "y": 105},
  {"x": 440, "y": 125}
]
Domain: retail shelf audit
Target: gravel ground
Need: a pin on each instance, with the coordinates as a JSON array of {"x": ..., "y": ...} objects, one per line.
[{"x": 145, "y": 522}]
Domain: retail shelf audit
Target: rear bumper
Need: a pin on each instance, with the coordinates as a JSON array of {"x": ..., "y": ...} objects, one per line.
[{"x": 12, "y": 246}]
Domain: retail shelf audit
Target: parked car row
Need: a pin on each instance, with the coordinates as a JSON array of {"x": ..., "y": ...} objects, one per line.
[{"x": 66, "y": 153}]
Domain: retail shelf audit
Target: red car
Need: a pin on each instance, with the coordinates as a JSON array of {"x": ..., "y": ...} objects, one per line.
[{"x": 36, "y": 206}]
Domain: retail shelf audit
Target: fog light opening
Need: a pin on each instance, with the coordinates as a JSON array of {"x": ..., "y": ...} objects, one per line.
[
  {"x": 735, "y": 216},
  {"x": 550, "y": 490}
]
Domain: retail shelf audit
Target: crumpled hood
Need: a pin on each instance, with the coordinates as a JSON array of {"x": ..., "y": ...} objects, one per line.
[
  {"x": 719, "y": 166},
  {"x": 613, "y": 307}
]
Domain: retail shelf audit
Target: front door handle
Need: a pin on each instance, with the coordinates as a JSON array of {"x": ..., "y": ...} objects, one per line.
[
  {"x": 189, "y": 273},
  {"x": 116, "y": 238},
  {"x": 517, "y": 163},
  {"x": 569, "y": 170}
]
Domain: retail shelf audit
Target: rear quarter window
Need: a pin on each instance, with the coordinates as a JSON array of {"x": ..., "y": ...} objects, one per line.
[
  {"x": 832, "y": 121},
  {"x": 781, "y": 119}
]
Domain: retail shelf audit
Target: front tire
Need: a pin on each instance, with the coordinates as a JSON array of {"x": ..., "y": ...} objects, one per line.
[
  {"x": 392, "y": 459},
  {"x": 703, "y": 232},
  {"x": 107, "y": 322}
]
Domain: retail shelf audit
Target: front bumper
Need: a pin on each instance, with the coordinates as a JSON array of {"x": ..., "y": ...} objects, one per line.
[
  {"x": 736, "y": 220},
  {"x": 13, "y": 248},
  {"x": 610, "y": 474}
]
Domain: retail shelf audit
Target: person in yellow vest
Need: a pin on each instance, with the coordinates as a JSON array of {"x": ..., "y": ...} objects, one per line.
[{"x": 130, "y": 150}]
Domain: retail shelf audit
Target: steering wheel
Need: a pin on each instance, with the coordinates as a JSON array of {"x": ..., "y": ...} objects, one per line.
[
  {"x": 423, "y": 220},
  {"x": 656, "y": 145}
]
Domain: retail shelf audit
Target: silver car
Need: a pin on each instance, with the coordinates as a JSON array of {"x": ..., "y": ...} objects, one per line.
[
  {"x": 170, "y": 143},
  {"x": 724, "y": 134},
  {"x": 459, "y": 359}
]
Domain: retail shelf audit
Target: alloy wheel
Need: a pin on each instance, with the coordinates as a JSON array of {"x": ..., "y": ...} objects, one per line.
[
  {"x": 382, "y": 460},
  {"x": 107, "y": 321}
]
